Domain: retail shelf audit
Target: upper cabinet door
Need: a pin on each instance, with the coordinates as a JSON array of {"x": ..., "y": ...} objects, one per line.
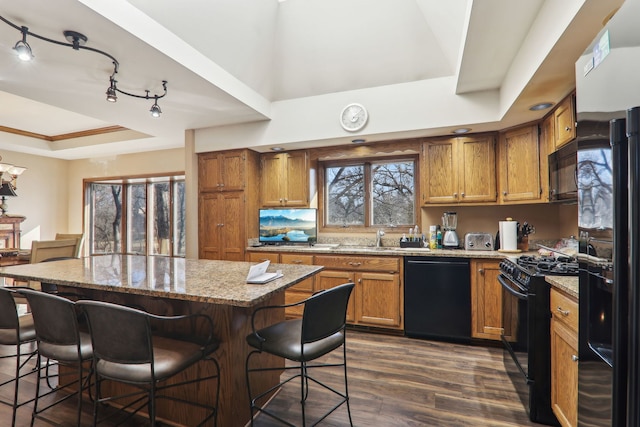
[
  {"x": 221, "y": 171},
  {"x": 520, "y": 165},
  {"x": 477, "y": 156},
  {"x": 459, "y": 170},
  {"x": 284, "y": 179},
  {"x": 565, "y": 122},
  {"x": 440, "y": 172}
]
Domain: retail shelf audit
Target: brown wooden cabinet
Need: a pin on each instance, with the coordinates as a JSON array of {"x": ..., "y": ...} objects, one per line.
[
  {"x": 284, "y": 179},
  {"x": 227, "y": 203},
  {"x": 564, "y": 358},
  {"x": 377, "y": 299},
  {"x": 488, "y": 308},
  {"x": 564, "y": 122},
  {"x": 459, "y": 170},
  {"x": 222, "y": 171},
  {"x": 519, "y": 166}
]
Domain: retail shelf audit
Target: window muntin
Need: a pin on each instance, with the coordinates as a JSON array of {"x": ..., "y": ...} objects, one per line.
[
  {"x": 152, "y": 216},
  {"x": 370, "y": 193}
]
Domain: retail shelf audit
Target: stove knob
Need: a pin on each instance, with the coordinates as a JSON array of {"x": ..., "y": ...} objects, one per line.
[{"x": 487, "y": 244}]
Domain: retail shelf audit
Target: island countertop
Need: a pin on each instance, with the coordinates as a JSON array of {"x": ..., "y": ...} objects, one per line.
[{"x": 209, "y": 281}]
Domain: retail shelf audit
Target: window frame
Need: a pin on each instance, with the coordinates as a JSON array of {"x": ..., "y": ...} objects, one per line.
[
  {"x": 368, "y": 214},
  {"x": 148, "y": 180}
]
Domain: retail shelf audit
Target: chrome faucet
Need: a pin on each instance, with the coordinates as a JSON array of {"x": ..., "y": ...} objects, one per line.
[{"x": 379, "y": 235}]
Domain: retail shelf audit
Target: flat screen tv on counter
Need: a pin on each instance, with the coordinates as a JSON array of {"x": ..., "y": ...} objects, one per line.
[{"x": 286, "y": 226}]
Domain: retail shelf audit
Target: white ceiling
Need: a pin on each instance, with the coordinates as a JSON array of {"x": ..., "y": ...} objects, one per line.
[{"x": 227, "y": 61}]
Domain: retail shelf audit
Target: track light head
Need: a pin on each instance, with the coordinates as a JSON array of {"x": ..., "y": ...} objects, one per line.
[
  {"x": 155, "y": 109},
  {"x": 112, "y": 95},
  {"x": 22, "y": 48}
]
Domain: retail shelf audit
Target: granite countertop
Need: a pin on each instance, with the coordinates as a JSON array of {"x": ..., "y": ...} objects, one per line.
[
  {"x": 568, "y": 284},
  {"x": 216, "y": 282},
  {"x": 385, "y": 251}
]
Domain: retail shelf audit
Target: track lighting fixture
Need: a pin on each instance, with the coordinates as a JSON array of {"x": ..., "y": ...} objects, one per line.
[
  {"x": 22, "y": 48},
  {"x": 77, "y": 41}
]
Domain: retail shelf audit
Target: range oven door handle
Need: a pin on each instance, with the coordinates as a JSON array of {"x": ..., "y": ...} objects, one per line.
[{"x": 510, "y": 289}]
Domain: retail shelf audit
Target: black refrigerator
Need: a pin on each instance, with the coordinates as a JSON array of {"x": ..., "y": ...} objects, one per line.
[{"x": 608, "y": 178}]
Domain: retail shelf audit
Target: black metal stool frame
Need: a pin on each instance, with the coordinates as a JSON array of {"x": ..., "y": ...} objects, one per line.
[{"x": 311, "y": 330}]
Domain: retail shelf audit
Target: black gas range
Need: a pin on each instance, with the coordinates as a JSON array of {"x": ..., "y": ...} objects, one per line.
[{"x": 527, "y": 355}]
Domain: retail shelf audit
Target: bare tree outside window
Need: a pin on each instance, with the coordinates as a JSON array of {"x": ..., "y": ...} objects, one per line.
[
  {"x": 389, "y": 201},
  {"x": 345, "y": 195},
  {"x": 393, "y": 193},
  {"x": 137, "y": 219},
  {"x": 179, "y": 248},
  {"x": 107, "y": 215},
  {"x": 161, "y": 220},
  {"x": 154, "y": 216}
]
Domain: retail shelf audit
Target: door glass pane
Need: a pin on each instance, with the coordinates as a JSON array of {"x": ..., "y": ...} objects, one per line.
[
  {"x": 179, "y": 231},
  {"x": 393, "y": 189},
  {"x": 161, "y": 218},
  {"x": 345, "y": 195},
  {"x": 107, "y": 218},
  {"x": 137, "y": 219}
]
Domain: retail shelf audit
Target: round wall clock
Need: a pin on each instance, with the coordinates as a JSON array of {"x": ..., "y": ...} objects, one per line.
[{"x": 353, "y": 117}]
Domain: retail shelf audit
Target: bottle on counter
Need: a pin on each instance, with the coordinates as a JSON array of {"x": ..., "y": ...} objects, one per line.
[
  {"x": 439, "y": 240},
  {"x": 433, "y": 233}
]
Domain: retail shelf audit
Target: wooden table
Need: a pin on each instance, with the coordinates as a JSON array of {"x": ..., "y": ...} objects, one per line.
[{"x": 164, "y": 285}]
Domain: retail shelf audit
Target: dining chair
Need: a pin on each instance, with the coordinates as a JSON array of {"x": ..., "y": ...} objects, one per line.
[
  {"x": 60, "y": 338},
  {"x": 127, "y": 350},
  {"x": 16, "y": 331},
  {"x": 320, "y": 331},
  {"x": 78, "y": 236},
  {"x": 42, "y": 250}
]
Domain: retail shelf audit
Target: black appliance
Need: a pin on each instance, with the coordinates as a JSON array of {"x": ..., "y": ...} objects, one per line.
[
  {"x": 562, "y": 174},
  {"x": 437, "y": 298},
  {"x": 607, "y": 89},
  {"x": 527, "y": 355}
]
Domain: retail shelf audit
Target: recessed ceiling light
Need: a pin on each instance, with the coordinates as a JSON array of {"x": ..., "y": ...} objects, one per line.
[
  {"x": 277, "y": 149},
  {"x": 541, "y": 106},
  {"x": 358, "y": 141},
  {"x": 461, "y": 130}
]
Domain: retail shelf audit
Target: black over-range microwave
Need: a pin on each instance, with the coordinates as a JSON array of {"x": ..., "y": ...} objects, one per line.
[{"x": 563, "y": 187}]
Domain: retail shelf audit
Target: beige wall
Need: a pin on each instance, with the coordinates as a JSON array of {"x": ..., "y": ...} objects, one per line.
[{"x": 42, "y": 196}]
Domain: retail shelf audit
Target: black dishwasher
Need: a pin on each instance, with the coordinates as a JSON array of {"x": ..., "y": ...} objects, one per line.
[{"x": 437, "y": 298}]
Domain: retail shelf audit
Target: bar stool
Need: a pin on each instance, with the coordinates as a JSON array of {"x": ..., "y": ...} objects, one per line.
[
  {"x": 126, "y": 350},
  {"x": 15, "y": 331},
  {"x": 59, "y": 338},
  {"x": 320, "y": 331}
]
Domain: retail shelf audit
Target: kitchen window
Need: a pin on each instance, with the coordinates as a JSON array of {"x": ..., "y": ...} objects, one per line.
[
  {"x": 143, "y": 216},
  {"x": 374, "y": 193}
]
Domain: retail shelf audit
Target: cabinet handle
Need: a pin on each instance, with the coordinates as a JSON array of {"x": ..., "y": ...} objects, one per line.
[
  {"x": 574, "y": 358},
  {"x": 222, "y": 184},
  {"x": 561, "y": 311},
  {"x": 296, "y": 261},
  {"x": 355, "y": 264}
]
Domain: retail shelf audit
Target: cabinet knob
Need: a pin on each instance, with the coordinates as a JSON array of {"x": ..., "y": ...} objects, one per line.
[
  {"x": 481, "y": 270},
  {"x": 567, "y": 128},
  {"x": 504, "y": 193},
  {"x": 455, "y": 195},
  {"x": 462, "y": 194},
  {"x": 574, "y": 358}
]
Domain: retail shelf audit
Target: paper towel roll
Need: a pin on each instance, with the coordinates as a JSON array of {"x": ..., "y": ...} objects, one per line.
[{"x": 508, "y": 235}]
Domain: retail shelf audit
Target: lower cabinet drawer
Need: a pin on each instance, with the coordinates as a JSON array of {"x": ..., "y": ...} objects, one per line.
[
  {"x": 359, "y": 263},
  {"x": 564, "y": 309}
]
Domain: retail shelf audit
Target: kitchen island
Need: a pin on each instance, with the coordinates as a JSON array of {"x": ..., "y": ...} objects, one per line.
[{"x": 172, "y": 286}]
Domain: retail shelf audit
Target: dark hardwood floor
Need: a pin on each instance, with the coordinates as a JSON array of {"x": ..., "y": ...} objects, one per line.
[{"x": 393, "y": 381}]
